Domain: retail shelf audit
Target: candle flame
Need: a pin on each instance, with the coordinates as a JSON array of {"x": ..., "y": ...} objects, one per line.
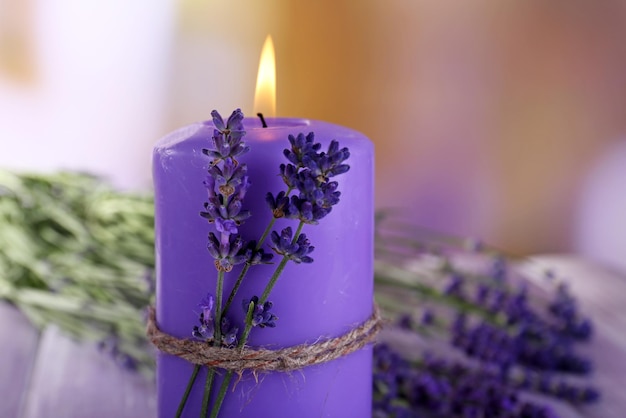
[{"x": 265, "y": 95}]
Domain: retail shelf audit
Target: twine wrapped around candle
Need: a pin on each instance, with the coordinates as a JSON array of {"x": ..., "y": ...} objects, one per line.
[{"x": 283, "y": 360}]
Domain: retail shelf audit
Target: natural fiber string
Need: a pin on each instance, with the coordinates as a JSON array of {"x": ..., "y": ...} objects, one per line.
[{"x": 284, "y": 360}]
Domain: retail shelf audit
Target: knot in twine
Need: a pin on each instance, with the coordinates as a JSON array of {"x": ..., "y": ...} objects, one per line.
[{"x": 283, "y": 360}]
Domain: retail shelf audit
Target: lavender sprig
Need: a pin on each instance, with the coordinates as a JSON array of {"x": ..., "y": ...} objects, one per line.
[
  {"x": 309, "y": 174},
  {"x": 226, "y": 185}
]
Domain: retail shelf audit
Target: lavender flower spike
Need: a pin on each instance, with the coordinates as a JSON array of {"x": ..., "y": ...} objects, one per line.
[
  {"x": 298, "y": 251},
  {"x": 227, "y": 137},
  {"x": 227, "y": 253},
  {"x": 204, "y": 331},
  {"x": 261, "y": 315},
  {"x": 300, "y": 147},
  {"x": 234, "y": 125}
]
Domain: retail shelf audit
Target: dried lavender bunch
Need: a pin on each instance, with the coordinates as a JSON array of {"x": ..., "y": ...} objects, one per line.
[
  {"x": 539, "y": 338},
  {"x": 78, "y": 253},
  {"x": 491, "y": 316},
  {"x": 436, "y": 387}
]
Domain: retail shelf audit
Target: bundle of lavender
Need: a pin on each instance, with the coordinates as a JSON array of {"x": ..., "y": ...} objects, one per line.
[
  {"x": 468, "y": 334},
  {"x": 472, "y": 336},
  {"x": 77, "y": 253}
]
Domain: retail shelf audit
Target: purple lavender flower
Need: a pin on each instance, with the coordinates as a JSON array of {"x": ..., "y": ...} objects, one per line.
[
  {"x": 227, "y": 252},
  {"x": 498, "y": 301},
  {"x": 428, "y": 317},
  {"x": 438, "y": 387},
  {"x": 296, "y": 251},
  {"x": 226, "y": 226},
  {"x": 226, "y": 208},
  {"x": 261, "y": 315},
  {"x": 482, "y": 293},
  {"x": 534, "y": 346},
  {"x": 309, "y": 173},
  {"x": 227, "y": 183},
  {"x": 229, "y": 333},
  {"x": 330, "y": 164},
  {"x": 555, "y": 386},
  {"x": 256, "y": 256},
  {"x": 228, "y": 177},
  {"x": 277, "y": 204},
  {"x": 314, "y": 202},
  {"x": 330, "y": 195},
  {"x": 289, "y": 174},
  {"x": 304, "y": 211},
  {"x": 227, "y": 136},
  {"x": 320, "y": 194},
  {"x": 205, "y": 330},
  {"x": 405, "y": 321},
  {"x": 499, "y": 269},
  {"x": 233, "y": 127},
  {"x": 300, "y": 147},
  {"x": 206, "y": 305},
  {"x": 565, "y": 310},
  {"x": 455, "y": 286}
]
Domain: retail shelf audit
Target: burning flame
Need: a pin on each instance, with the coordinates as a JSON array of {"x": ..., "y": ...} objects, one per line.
[{"x": 265, "y": 95}]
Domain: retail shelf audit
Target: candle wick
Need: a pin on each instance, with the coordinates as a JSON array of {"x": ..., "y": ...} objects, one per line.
[{"x": 260, "y": 115}]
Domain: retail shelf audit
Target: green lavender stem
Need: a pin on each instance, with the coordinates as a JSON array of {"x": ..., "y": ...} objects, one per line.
[
  {"x": 183, "y": 401},
  {"x": 211, "y": 373},
  {"x": 218, "y": 308},
  {"x": 217, "y": 340},
  {"x": 244, "y": 337},
  {"x": 263, "y": 298},
  {"x": 207, "y": 392},
  {"x": 266, "y": 233},
  {"x": 235, "y": 289},
  {"x": 221, "y": 395}
]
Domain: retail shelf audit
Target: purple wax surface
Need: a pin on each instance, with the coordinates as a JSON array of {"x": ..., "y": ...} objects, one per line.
[{"x": 312, "y": 301}]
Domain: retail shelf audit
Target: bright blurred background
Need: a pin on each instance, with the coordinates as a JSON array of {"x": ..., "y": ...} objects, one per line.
[{"x": 498, "y": 120}]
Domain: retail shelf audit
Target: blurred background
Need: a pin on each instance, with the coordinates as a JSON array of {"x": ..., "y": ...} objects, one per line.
[{"x": 499, "y": 120}]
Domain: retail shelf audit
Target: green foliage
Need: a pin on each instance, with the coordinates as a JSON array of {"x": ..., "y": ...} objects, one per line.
[{"x": 77, "y": 253}]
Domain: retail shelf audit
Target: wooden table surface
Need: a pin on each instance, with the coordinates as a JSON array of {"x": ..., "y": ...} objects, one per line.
[{"x": 46, "y": 374}]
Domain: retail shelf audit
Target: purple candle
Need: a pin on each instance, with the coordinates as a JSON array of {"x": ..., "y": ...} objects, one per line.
[{"x": 320, "y": 300}]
